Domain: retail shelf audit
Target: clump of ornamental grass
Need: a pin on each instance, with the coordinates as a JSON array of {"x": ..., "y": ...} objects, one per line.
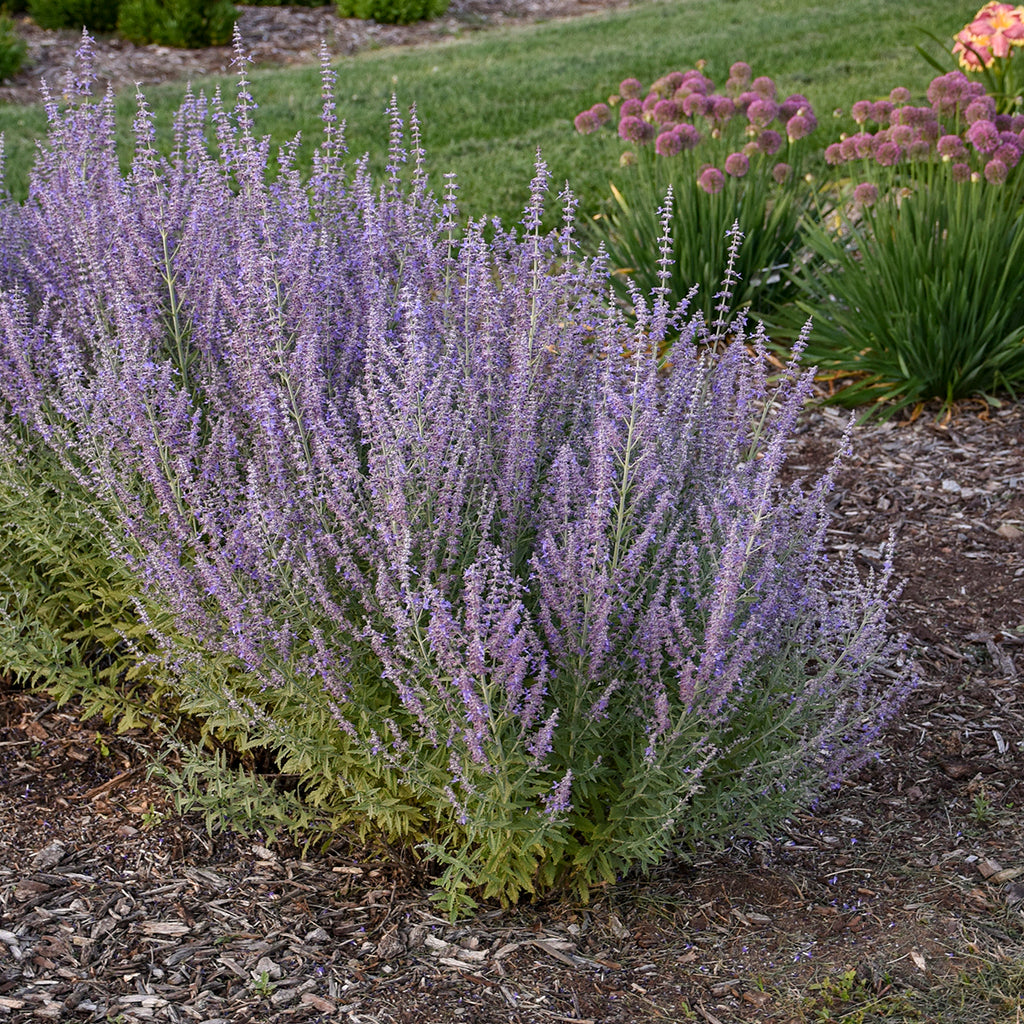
[
  {"x": 914, "y": 270},
  {"x": 730, "y": 156},
  {"x": 421, "y": 514}
]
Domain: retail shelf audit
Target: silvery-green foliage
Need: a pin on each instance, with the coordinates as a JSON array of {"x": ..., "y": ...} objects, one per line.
[{"x": 420, "y": 512}]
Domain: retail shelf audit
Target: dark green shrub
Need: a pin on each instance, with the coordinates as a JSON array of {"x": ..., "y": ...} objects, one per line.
[
  {"x": 13, "y": 6},
  {"x": 393, "y": 12},
  {"x": 12, "y": 49},
  {"x": 291, "y": 3},
  {"x": 95, "y": 15},
  {"x": 184, "y": 23}
]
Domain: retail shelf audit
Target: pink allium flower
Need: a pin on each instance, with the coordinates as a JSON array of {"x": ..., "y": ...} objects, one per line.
[
  {"x": 981, "y": 109},
  {"x": 740, "y": 72},
  {"x": 888, "y": 154},
  {"x": 834, "y": 154},
  {"x": 864, "y": 145},
  {"x": 900, "y": 95},
  {"x": 983, "y": 136},
  {"x": 881, "y": 111},
  {"x": 848, "y": 148},
  {"x": 799, "y": 126},
  {"x": 763, "y": 86},
  {"x": 780, "y": 172},
  {"x": 798, "y": 103},
  {"x": 721, "y": 109},
  {"x": 861, "y": 111},
  {"x": 602, "y": 111},
  {"x": 865, "y": 194},
  {"x": 628, "y": 158},
  {"x": 635, "y": 129},
  {"x": 769, "y": 142},
  {"x": 902, "y": 134},
  {"x": 1009, "y": 153},
  {"x": 586, "y": 122},
  {"x": 995, "y": 172},
  {"x": 695, "y": 105},
  {"x": 745, "y": 99},
  {"x": 736, "y": 165},
  {"x": 666, "y": 112},
  {"x": 919, "y": 149},
  {"x": 1003, "y": 122},
  {"x": 1017, "y": 123},
  {"x": 761, "y": 113},
  {"x": 673, "y": 80},
  {"x": 689, "y": 137},
  {"x": 631, "y": 89},
  {"x": 631, "y": 108},
  {"x": 951, "y": 147},
  {"x": 711, "y": 180},
  {"x": 668, "y": 144},
  {"x": 651, "y": 100},
  {"x": 961, "y": 173}
]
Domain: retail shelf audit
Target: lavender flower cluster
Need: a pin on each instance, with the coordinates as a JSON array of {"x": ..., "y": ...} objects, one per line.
[
  {"x": 959, "y": 128},
  {"x": 682, "y": 109},
  {"x": 493, "y": 584}
]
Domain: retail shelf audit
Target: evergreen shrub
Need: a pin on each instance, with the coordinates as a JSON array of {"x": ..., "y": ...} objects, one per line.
[
  {"x": 393, "y": 12},
  {"x": 183, "y": 23},
  {"x": 94, "y": 15},
  {"x": 419, "y": 512},
  {"x": 12, "y": 49}
]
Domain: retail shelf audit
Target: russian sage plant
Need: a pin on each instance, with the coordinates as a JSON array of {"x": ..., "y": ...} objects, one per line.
[{"x": 423, "y": 515}]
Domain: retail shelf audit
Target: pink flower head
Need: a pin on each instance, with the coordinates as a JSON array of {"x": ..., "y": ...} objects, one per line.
[
  {"x": 900, "y": 95},
  {"x": 864, "y": 145},
  {"x": 996, "y": 171},
  {"x": 799, "y": 126},
  {"x": 951, "y": 147},
  {"x": 586, "y": 122},
  {"x": 781, "y": 172},
  {"x": 689, "y": 137},
  {"x": 834, "y": 154},
  {"x": 745, "y": 99},
  {"x": 947, "y": 92},
  {"x": 740, "y": 73},
  {"x": 861, "y": 111},
  {"x": 631, "y": 108},
  {"x": 736, "y": 165},
  {"x": 795, "y": 104},
  {"x": 631, "y": 88},
  {"x": 971, "y": 51},
  {"x": 668, "y": 144},
  {"x": 711, "y": 180},
  {"x": 694, "y": 81},
  {"x": 983, "y": 136},
  {"x": 651, "y": 100},
  {"x": 981, "y": 109},
  {"x": 961, "y": 173},
  {"x": 761, "y": 113},
  {"x": 666, "y": 112},
  {"x": 769, "y": 142},
  {"x": 635, "y": 129},
  {"x": 848, "y": 148},
  {"x": 602, "y": 112},
  {"x": 721, "y": 109},
  {"x": 888, "y": 154},
  {"x": 628, "y": 158},
  {"x": 695, "y": 105},
  {"x": 902, "y": 134},
  {"x": 995, "y": 30},
  {"x": 865, "y": 194},
  {"x": 881, "y": 111},
  {"x": 1009, "y": 153},
  {"x": 919, "y": 149},
  {"x": 763, "y": 86},
  {"x": 1017, "y": 123},
  {"x": 673, "y": 80}
]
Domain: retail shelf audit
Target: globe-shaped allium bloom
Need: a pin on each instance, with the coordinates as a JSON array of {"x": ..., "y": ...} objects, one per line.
[
  {"x": 689, "y": 137},
  {"x": 888, "y": 154},
  {"x": 694, "y": 81},
  {"x": 961, "y": 173},
  {"x": 995, "y": 172},
  {"x": 834, "y": 155},
  {"x": 722, "y": 109},
  {"x": 848, "y": 148},
  {"x": 797, "y": 103},
  {"x": 672, "y": 81},
  {"x": 631, "y": 89},
  {"x": 799, "y": 126},
  {"x": 745, "y": 99},
  {"x": 769, "y": 142},
  {"x": 951, "y": 147},
  {"x": 947, "y": 92},
  {"x": 602, "y": 112},
  {"x": 651, "y": 100},
  {"x": 740, "y": 73},
  {"x": 586, "y": 122},
  {"x": 866, "y": 194},
  {"x": 712, "y": 180},
  {"x": 1009, "y": 153},
  {"x": 983, "y": 108},
  {"x": 1017, "y": 123},
  {"x": 631, "y": 108},
  {"x": 761, "y": 113},
  {"x": 861, "y": 111},
  {"x": 736, "y": 165},
  {"x": 628, "y": 158},
  {"x": 900, "y": 94},
  {"x": 983, "y": 136},
  {"x": 781, "y": 172},
  {"x": 865, "y": 144},
  {"x": 919, "y": 149},
  {"x": 635, "y": 129},
  {"x": 666, "y": 112},
  {"x": 902, "y": 134},
  {"x": 881, "y": 111},
  {"x": 763, "y": 86},
  {"x": 695, "y": 104},
  {"x": 668, "y": 144}
]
